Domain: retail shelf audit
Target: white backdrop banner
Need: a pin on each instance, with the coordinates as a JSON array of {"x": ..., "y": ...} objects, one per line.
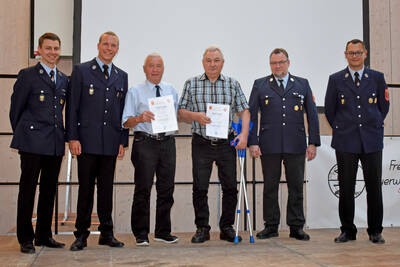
[{"x": 323, "y": 187}]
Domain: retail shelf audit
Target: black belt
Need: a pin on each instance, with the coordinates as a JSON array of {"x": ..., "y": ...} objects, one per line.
[
  {"x": 213, "y": 141},
  {"x": 159, "y": 137}
]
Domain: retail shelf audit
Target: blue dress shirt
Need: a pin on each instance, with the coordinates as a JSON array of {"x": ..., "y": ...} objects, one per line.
[
  {"x": 101, "y": 64},
  {"x": 360, "y": 73},
  {"x": 285, "y": 80},
  {"x": 136, "y": 102}
]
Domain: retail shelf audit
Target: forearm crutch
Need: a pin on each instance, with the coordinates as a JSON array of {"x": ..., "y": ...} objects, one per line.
[{"x": 242, "y": 187}]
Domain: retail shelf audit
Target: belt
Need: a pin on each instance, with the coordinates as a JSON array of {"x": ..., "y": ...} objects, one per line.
[
  {"x": 213, "y": 141},
  {"x": 158, "y": 137}
]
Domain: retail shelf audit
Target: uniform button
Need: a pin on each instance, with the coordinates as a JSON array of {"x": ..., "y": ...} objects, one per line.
[
  {"x": 105, "y": 123},
  {"x": 283, "y": 99},
  {"x": 55, "y": 125},
  {"x": 105, "y": 111},
  {"x": 358, "y": 106},
  {"x": 336, "y": 127},
  {"x": 358, "y": 97},
  {"x": 108, "y": 89},
  {"x": 360, "y": 125},
  {"x": 55, "y": 116},
  {"x": 106, "y": 99},
  {"x": 55, "y": 97},
  {"x": 283, "y": 124},
  {"x": 55, "y": 106},
  {"x": 284, "y": 107},
  {"x": 359, "y": 115},
  {"x": 31, "y": 127},
  {"x": 284, "y": 115}
]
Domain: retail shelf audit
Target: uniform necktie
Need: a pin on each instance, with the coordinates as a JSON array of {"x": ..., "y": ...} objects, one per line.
[
  {"x": 281, "y": 84},
  {"x": 52, "y": 76},
  {"x": 158, "y": 91},
  {"x": 356, "y": 79},
  {"x": 106, "y": 75}
]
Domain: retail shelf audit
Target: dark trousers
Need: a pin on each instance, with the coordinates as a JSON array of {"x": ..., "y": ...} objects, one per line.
[
  {"x": 347, "y": 172},
  {"x": 151, "y": 157},
  {"x": 31, "y": 166},
  {"x": 204, "y": 154},
  {"x": 90, "y": 168},
  {"x": 294, "y": 171}
]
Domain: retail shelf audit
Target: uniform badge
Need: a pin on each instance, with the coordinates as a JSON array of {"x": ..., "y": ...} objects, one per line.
[
  {"x": 91, "y": 89},
  {"x": 296, "y": 108},
  {"x": 271, "y": 79},
  {"x": 116, "y": 72},
  {"x": 375, "y": 100},
  {"x": 346, "y": 75},
  {"x": 342, "y": 101},
  {"x": 41, "y": 97},
  {"x": 266, "y": 99},
  {"x": 61, "y": 101},
  {"x": 41, "y": 71},
  {"x": 366, "y": 75},
  {"x": 387, "y": 94},
  {"x": 93, "y": 67},
  {"x": 370, "y": 100},
  {"x": 291, "y": 79}
]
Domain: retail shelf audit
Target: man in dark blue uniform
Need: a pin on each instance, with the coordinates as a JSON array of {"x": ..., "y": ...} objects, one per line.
[
  {"x": 37, "y": 122},
  {"x": 356, "y": 104},
  {"x": 95, "y": 135},
  {"x": 282, "y": 100}
]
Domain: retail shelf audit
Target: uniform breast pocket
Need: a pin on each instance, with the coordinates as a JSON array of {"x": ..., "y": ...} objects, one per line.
[
  {"x": 119, "y": 93},
  {"x": 40, "y": 97}
]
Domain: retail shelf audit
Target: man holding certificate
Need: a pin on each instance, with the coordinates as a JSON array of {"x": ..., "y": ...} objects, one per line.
[
  {"x": 209, "y": 101},
  {"x": 150, "y": 109}
]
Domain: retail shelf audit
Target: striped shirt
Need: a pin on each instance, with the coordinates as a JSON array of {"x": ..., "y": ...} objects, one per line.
[{"x": 199, "y": 90}]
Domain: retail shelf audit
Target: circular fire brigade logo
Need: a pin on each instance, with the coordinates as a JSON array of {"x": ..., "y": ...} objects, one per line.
[{"x": 333, "y": 181}]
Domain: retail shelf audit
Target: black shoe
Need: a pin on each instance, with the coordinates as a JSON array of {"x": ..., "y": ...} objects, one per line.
[
  {"x": 169, "y": 239},
  {"x": 110, "y": 241},
  {"x": 78, "y": 244},
  {"x": 202, "y": 234},
  {"x": 228, "y": 234},
  {"x": 345, "y": 237},
  {"x": 142, "y": 242},
  {"x": 27, "y": 247},
  {"x": 376, "y": 238},
  {"x": 268, "y": 232},
  {"x": 49, "y": 242},
  {"x": 299, "y": 234}
]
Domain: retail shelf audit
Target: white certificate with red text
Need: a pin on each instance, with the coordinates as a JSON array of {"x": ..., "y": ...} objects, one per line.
[
  {"x": 164, "y": 114},
  {"x": 219, "y": 115}
]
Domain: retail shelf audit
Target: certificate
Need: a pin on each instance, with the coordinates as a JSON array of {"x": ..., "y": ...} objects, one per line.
[
  {"x": 219, "y": 115},
  {"x": 163, "y": 109}
]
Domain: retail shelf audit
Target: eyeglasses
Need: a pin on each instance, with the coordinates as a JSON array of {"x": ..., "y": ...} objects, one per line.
[
  {"x": 278, "y": 62},
  {"x": 352, "y": 54}
]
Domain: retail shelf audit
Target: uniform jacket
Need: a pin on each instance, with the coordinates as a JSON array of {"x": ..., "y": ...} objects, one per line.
[
  {"x": 94, "y": 109},
  {"x": 282, "y": 128},
  {"x": 356, "y": 115},
  {"x": 36, "y": 112}
]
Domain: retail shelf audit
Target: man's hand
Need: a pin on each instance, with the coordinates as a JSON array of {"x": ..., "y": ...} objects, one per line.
[
  {"x": 146, "y": 116},
  {"x": 311, "y": 152},
  {"x": 241, "y": 140},
  {"x": 75, "y": 147},
  {"x": 121, "y": 152},
  {"x": 202, "y": 118},
  {"x": 255, "y": 151}
]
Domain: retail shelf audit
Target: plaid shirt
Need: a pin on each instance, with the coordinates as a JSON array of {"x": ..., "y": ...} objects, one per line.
[{"x": 199, "y": 90}]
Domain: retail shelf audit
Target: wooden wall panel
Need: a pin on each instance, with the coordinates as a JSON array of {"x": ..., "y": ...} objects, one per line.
[
  {"x": 6, "y": 88},
  {"x": 380, "y": 49},
  {"x": 395, "y": 40},
  {"x": 15, "y": 34}
]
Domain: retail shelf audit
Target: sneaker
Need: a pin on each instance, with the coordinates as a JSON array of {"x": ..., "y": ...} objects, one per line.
[
  {"x": 169, "y": 239},
  {"x": 202, "y": 234},
  {"x": 228, "y": 234},
  {"x": 142, "y": 242}
]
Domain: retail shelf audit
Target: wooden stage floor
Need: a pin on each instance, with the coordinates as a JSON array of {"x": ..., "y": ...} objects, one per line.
[{"x": 280, "y": 251}]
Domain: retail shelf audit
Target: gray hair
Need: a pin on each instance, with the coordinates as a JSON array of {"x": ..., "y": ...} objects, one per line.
[
  {"x": 213, "y": 48},
  {"x": 154, "y": 54}
]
